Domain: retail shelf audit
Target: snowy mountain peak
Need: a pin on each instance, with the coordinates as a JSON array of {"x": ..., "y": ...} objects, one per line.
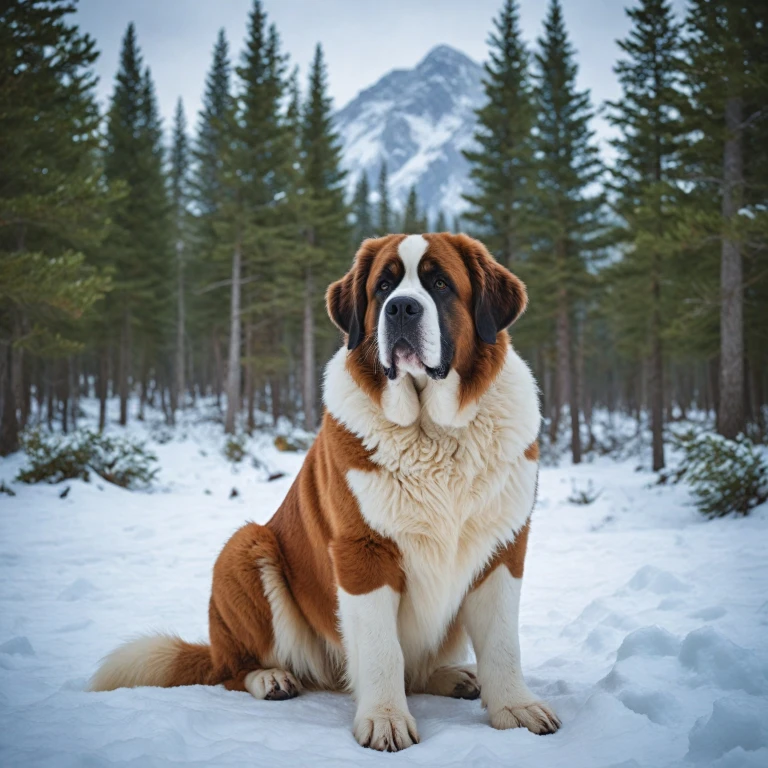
[{"x": 417, "y": 120}]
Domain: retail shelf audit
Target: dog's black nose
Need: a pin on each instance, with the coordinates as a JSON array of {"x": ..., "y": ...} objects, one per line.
[{"x": 404, "y": 308}]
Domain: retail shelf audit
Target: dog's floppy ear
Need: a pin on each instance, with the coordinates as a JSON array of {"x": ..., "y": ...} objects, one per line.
[
  {"x": 347, "y": 299},
  {"x": 499, "y": 297}
]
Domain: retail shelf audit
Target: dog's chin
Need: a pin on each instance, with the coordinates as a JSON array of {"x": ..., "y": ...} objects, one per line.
[{"x": 405, "y": 360}]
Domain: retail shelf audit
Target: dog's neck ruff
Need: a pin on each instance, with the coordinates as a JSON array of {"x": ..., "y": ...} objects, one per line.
[{"x": 408, "y": 420}]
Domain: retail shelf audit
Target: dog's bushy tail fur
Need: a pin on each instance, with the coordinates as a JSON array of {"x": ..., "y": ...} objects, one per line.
[{"x": 163, "y": 661}]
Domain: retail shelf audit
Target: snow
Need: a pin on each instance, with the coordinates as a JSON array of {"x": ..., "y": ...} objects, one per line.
[{"x": 643, "y": 624}]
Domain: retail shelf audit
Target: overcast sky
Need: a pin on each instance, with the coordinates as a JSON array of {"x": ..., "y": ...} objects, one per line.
[{"x": 363, "y": 39}]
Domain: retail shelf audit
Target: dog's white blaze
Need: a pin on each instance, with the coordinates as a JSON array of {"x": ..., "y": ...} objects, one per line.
[
  {"x": 447, "y": 495},
  {"x": 490, "y": 614},
  {"x": 410, "y": 251}
]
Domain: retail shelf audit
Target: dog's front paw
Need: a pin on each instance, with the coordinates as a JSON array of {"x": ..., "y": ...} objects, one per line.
[
  {"x": 386, "y": 728},
  {"x": 536, "y": 716}
]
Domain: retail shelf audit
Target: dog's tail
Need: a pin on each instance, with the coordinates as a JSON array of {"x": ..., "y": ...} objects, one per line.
[{"x": 164, "y": 661}]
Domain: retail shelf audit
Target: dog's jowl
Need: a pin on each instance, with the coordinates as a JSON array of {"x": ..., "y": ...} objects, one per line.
[{"x": 403, "y": 537}]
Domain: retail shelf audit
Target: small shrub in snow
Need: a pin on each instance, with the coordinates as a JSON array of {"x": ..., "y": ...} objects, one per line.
[
  {"x": 54, "y": 458},
  {"x": 726, "y": 476},
  {"x": 583, "y": 496},
  {"x": 234, "y": 449},
  {"x": 293, "y": 443}
]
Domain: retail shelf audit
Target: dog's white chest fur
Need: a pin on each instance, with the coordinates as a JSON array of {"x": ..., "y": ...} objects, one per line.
[{"x": 447, "y": 496}]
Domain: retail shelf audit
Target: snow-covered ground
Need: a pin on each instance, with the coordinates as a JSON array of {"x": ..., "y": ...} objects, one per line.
[{"x": 645, "y": 626}]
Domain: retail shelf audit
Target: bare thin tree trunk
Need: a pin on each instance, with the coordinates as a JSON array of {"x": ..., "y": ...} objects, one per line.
[
  {"x": 17, "y": 370},
  {"x": 180, "y": 326},
  {"x": 310, "y": 419},
  {"x": 274, "y": 390},
  {"x": 233, "y": 363},
  {"x": 566, "y": 383},
  {"x": 65, "y": 398},
  {"x": 74, "y": 389},
  {"x": 123, "y": 366},
  {"x": 756, "y": 395},
  {"x": 218, "y": 369},
  {"x": 50, "y": 393},
  {"x": 656, "y": 383},
  {"x": 730, "y": 417},
  {"x": 250, "y": 386},
  {"x": 714, "y": 383},
  {"x": 562, "y": 364},
  {"x": 574, "y": 400},
  {"x": 9, "y": 426},
  {"x": 103, "y": 376},
  {"x": 191, "y": 374}
]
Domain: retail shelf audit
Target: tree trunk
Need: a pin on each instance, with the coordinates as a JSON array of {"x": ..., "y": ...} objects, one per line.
[
  {"x": 40, "y": 391},
  {"x": 103, "y": 376},
  {"x": 9, "y": 427},
  {"x": 714, "y": 383},
  {"x": 730, "y": 417},
  {"x": 574, "y": 400},
  {"x": 233, "y": 363},
  {"x": 65, "y": 397},
  {"x": 180, "y": 327},
  {"x": 123, "y": 366},
  {"x": 74, "y": 390},
  {"x": 656, "y": 383},
  {"x": 218, "y": 365},
  {"x": 274, "y": 391},
  {"x": 17, "y": 370},
  {"x": 143, "y": 389},
  {"x": 566, "y": 386},
  {"x": 50, "y": 393},
  {"x": 191, "y": 374},
  {"x": 756, "y": 396},
  {"x": 250, "y": 385},
  {"x": 25, "y": 403},
  {"x": 310, "y": 420}
]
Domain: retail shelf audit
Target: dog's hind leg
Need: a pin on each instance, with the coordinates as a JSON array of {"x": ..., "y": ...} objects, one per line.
[
  {"x": 241, "y": 620},
  {"x": 266, "y": 684},
  {"x": 459, "y": 682}
]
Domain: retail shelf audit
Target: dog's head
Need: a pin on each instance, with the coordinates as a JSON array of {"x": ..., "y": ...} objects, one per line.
[{"x": 424, "y": 306}]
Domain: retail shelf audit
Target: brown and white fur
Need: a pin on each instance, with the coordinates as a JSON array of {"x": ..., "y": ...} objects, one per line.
[{"x": 404, "y": 534}]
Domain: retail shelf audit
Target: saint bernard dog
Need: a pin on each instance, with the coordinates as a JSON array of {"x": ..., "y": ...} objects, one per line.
[{"x": 404, "y": 534}]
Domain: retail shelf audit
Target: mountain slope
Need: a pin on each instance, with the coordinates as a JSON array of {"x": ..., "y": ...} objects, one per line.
[{"x": 418, "y": 120}]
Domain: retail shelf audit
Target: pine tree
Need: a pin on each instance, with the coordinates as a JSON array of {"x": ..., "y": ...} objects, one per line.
[
  {"x": 52, "y": 202},
  {"x": 440, "y": 223},
  {"x": 501, "y": 167},
  {"x": 412, "y": 221},
  {"x": 208, "y": 267},
  {"x": 645, "y": 173},
  {"x": 384, "y": 214},
  {"x": 325, "y": 224},
  {"x": 139, "y": 243},
  {"x": 179, "y": 178},
  {"x": 252, "y": 202},
  {"x": 361, "y": 207},
  {"x": 727, "y": 77},
  {"x": 565, "y": 217}
]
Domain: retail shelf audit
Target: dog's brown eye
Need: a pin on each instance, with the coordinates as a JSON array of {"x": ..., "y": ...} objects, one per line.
[
  {"x": 383, "y": 285},
  {"x": 441, "y": 285}
]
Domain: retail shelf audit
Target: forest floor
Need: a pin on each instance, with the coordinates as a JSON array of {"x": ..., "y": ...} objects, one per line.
[{"x": 643, "y": 624}]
